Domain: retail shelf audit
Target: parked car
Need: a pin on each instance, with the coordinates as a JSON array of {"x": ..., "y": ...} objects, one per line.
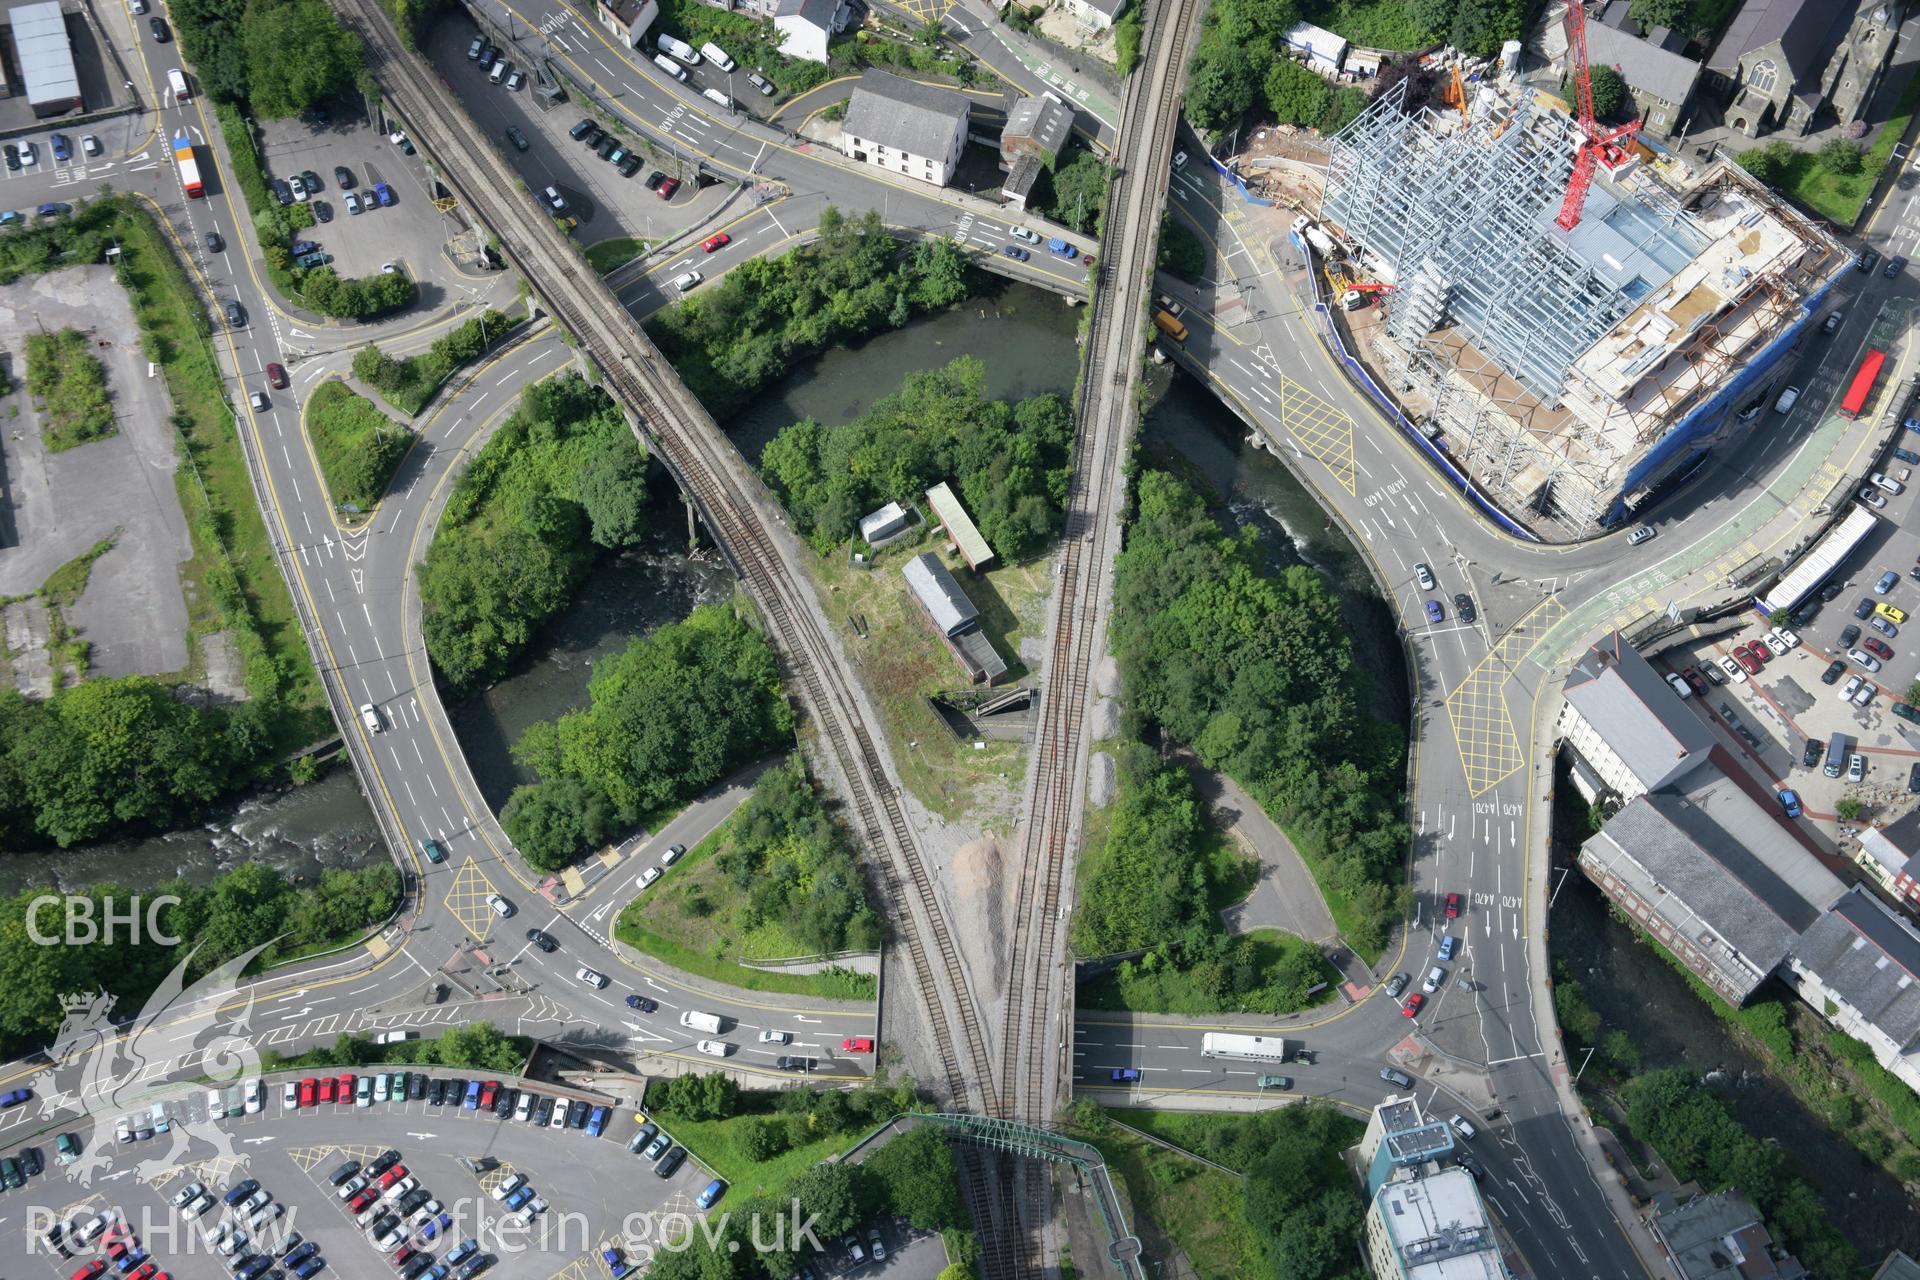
[{"x": 1790, "y": 802}]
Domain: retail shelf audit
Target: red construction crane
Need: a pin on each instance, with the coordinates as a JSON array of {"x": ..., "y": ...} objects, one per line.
[{"x": 1596, "y": 147}]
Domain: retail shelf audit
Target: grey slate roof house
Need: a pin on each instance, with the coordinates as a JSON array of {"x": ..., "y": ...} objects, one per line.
[
  {"x": 1781, "y": 62},
  {"x": 952, "y": 614},
  {"x": 1863, "y": 962},
  {"x": 1652, "y": 61},
  {"x": 906, "y": 127}
]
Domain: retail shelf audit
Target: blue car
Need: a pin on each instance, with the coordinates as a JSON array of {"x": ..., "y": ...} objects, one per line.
[
  {"x": 1015, "y": 252},
  {"x": 54, "y": 208},
  {"x": 472, "y": 1100},
  {"x": 462, "y": 1251},
  {"x": 130, "y": 1259},
  {"x": 383, "y": 193},
  {"x": 240, "y": 1191},
  {"x": 518, "y": 1198},
  {"x": 1895, "y": 265},
  {"x": 1061, "y": 247},
  {"x": 435, "y": 1226},
  {"x": 311, "y": 1267},
  {"x": 597, "y": 1121},
  {"x": 1126, "y": 1075},
  {"x": 1886, "y": 582},
  {"x": 1434, "y": 612},
  {"x": 10, "y": 216},
  {"x": 14, "y": 1097},
  {"x": 1905, "y": 455},
  {"x": 62, "y": 149},
  {"x": 1448, "y": 946},
  {"x": 711, "y": 1196},
  {"x": 1790, "y": 803}
]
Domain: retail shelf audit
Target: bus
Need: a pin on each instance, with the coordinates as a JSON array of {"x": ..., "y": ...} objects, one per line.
[
  {"x": 1217, "y": 1044},
  {"x": 188, "y": 166},
  {"x": 1170, "y": 326},
  {"x": 1862, "y": 385}
]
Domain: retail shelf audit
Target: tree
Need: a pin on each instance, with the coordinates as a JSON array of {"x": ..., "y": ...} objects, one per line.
[
  {"x": 479, "y": 1046},
  {"x": 1610, "y": 93},
  {"x": 1296, "y": 95},
  {"x": 1662, "y": 13},
  {"x": 762, "y": 1138},
  {"x": 1912, "y": 695},
  {"x": 1848, "y": 808},
  {"x": 612, "y": 487},
  {"x": 552, "y": 822},
  {"x": 1432, "y": 18},
  {"x": 1078, "y": 195},
  {"x": 1768, "y": 163},
  {"x": 1126, "y": 41},
  {"x": 919, "y": 1179},
  {"x": 298, "y": 54},
  {"x": 1181, "y": 251},
  {"x": 1480, "y": 27},
  {"x": 1839, "y": 156},
  {"x": 1223, "y": 79},
  {"x": 838, "y": 1194}
]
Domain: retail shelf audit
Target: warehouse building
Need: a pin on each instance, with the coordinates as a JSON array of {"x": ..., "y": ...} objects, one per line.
[
  {"x": 953, "y": 617},
  {"x": 44, "y": 52}
]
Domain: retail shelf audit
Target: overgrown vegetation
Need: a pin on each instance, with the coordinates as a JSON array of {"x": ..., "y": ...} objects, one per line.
[
  {"x": 729, "y": 341},
  {"x": 1159, "y": 881},
  {"x": 280, "y": 57},
  {"x": 617, "y": 251},
  {"x": 1074, "y": 194},
  {"x": 240, "y": 910},
  {"x": 358, "y": 446},
  {"x": 1126, "y": 40},
  {"x": 1241, "y": 64},
  {"x": 560, "y": 478},
  {"x": 772, "y": 1149},
  {"x": 408, "y": 383},
  {"x": 71, "y": 386},
  {"x": 1181, "y": 251},
  {"x": 1702, "y": 19},
  {"x": 475, "y": 1046},
  {"x": 1610, "y": 96},
  {"x": 1692, "y": 1130},
  {"x": 753, "y": 42},
  {"x": 674, "y": 713},
  {"x": 1257, "y": 674},
  {"x": 779, "y": 880},
  {"x": 1294, "y": 1216},
  {"x": 1009, "y": 463},
  {"x": 120, "y": 753}
]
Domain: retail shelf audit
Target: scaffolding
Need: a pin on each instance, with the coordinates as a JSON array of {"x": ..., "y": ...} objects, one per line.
[{"x": 1568, "y": 370}]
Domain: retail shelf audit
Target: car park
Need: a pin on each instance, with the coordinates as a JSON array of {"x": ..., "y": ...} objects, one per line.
[
  {"x": 1851, "y": 687},
  {"x": 1891, "y": 613},
  {"x": 667, "y": 187},
  {"x": 1860, "y": 657},
  {"x": 352, "y": 201},
  {"x": 1884, "y": 627},
  {"x": 1811, "y": 753},
  {"x": 670, "y": 1162},
  {"x": 1679, "y": 685},
  {"x": 1735, "y": 672},
  {"x": 1873, "y": 498},
  {"x": 383, "y": 194},
  {"x": 1877, "y": 647}
]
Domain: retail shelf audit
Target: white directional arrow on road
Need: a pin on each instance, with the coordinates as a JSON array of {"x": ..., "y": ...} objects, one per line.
[
  {"x": 254, "y": 1142},
  {"x": 422, "y": 1137}
]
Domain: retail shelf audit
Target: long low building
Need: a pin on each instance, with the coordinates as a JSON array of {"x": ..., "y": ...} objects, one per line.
[{"x": 954, "y": 617}]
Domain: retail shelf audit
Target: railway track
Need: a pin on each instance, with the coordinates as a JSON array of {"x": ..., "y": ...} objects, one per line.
[
  {"x": 741, "y": 517},
  {"x": 1031, "y": 1074}
]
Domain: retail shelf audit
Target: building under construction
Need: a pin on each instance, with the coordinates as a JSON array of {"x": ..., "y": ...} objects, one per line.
[{"x": 1568, "y": 373}]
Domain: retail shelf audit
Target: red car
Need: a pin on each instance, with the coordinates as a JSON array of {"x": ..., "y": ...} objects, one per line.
[
  {"x": 856, "y": 1044},
  {"x": 1453, "y": 906},
  {"x": 1747, "y": 661},
  {"x": 666, "y": 189},
  {"x": 276, "y": 376},
  {"x": 361, "y": 1199},
  {"x": 91, "y": 1270},
  {"x": 146, "y": 1271},
  {"x": 1878, "y": 648},
  {"x": 343, "y": 1089},
  {"x": 309, "y": 1092},
  {"x": 326, "y": 1089},
  {"x": 488, "y": 1092},
  {"x": 1695, "y": 681},
  {"x": 401, "y": 1255},
  {"x": 1761, "y": 654},
  {"x": 392, "y": 1176},
  {"x": 1412, "y": 1006},
  {"x": 712, "y": 243}
]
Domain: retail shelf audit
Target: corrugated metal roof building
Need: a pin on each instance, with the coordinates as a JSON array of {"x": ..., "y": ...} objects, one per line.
[
  {"x": 953, "y": 616},
  {"x": 45, "y": 54},
  {"x": 960, "y": 527}
]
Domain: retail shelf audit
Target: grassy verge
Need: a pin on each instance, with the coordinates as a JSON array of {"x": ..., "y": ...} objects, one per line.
[
  {"x": 605, "y": 255},
  {"x": 72, "y": 389},
  {"x": 1167, "y": 990},
  {"x": 903, "y": 662},
  {"x": 718, "y": 1143},
  {"x": 409, "y": 383},
  {"x": 1840, "y": 196},
  {"x": 702, "y": 941},
  {"x": 358, "y": 446},
  {"x": 234, "y": 585},
  {"x": 1190, "y": 1206},
  {"x": 1377, "y": 24}
]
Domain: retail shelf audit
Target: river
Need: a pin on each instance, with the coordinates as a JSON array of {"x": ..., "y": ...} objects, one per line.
[{"x": 1025, "y": 337}]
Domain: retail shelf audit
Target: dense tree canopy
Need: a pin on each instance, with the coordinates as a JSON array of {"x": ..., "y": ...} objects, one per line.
[
  {"x": 673, "y": 713},
  {"x": 1257, "y": 673},
  {"x": 241, "y": 909},
  {"x": 1009, "y": 462},
  {"x": 1611, "y": 101},
  {"x": 1299, "y": 1198},
  {"x": 518, "y": 531},
  {"x": 280, "y": 56},
  {"x": 730, "y": 340},
  {"x": 796, "y": 867},
  {"x": 1075, "y": 193}
]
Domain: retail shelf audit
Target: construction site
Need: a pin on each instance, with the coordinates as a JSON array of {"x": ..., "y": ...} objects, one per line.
[{"x": 1572, "y": 324}]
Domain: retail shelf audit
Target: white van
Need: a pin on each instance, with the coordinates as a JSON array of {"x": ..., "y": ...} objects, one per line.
[
  {"x": 1787, "y": 400},
  {"x": 717, "y": 97},
  {"x": 717, "y": 56},
  {"x": 669, "y": 66},
  {"x": 686, "y": 282},
  {"x": 177, "y": 81},
  {"x": 499, "y": 72},
  {"x": 679, "y": 49},
  {"x": 708, "y": 1022},
  {"x": 370, "y": 717}
]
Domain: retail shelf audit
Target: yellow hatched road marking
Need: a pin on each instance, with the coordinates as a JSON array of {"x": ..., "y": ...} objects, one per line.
[
  {"x": 1483, "y": 729},
  {"x": 467, "y": 899},
  {"x": 1322, "y": 430}
]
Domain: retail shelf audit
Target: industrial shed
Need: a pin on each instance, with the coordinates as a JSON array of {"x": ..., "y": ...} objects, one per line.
[
  {"x": 952, "y": 614},
  {"x": 48, "y": 78}
]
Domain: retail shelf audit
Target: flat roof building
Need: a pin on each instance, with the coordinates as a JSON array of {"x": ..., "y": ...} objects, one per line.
[
  {"x": 878, "y": 526},
  {"x": 1569, "y": 372},
  {"x": 1432, "y": 1227},
  {"x": 961, "y": 530},
  {"x": 1400, "y": 1137},
  {"x": 952, "y": 614},
  {"x": 1323, "y": 50},
  {"x": 44, "y": 51}
]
